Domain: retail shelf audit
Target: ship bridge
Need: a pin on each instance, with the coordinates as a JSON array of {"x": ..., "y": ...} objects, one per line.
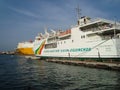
[
  {"x": 101, "y": 23},
  {"x": 100, "y": 26}
]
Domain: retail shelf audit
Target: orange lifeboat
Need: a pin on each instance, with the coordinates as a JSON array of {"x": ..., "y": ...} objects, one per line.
[{"x": 65, "y": 32}]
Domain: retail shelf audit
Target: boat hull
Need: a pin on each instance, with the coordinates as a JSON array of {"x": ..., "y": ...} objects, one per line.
[
  {"x": 25, "y": 51},
  {"x": 97, "y": 50}
]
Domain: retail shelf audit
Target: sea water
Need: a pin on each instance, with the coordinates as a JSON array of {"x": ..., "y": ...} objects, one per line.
[{"x": 19, "y": 73}]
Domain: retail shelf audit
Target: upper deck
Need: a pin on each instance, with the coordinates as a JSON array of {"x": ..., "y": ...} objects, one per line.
[{"x": 99, "y": 25}]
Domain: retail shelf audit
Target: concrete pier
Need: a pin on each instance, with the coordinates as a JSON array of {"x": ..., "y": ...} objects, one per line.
[{"x": 100, "y": 65}]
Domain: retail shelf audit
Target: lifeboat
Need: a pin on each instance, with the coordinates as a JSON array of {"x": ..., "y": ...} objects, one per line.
[{"x": 65, "y": 33}]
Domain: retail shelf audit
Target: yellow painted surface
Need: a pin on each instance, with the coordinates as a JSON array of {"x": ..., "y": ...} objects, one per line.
[{"x": 25, "y": 51}]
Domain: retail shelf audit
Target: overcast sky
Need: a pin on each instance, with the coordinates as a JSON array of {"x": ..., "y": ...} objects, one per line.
[{"x": 22, "y": 20}]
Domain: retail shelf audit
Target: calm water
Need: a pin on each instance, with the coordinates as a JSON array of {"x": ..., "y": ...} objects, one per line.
[{"x": 18, "y": 73}]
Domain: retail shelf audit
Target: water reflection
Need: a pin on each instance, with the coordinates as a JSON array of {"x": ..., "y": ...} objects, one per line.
[{"x": 18, "y": 73}]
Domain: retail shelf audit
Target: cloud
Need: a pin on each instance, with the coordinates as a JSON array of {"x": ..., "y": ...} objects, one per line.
[
  {"x": 111, "y": 1},
  {"x": 25, "y": 12}
]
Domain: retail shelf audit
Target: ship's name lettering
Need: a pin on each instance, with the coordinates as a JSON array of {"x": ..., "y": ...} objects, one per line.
[
  {"x": 70, "y": 50},
  {"x": 80, "y": 49}
]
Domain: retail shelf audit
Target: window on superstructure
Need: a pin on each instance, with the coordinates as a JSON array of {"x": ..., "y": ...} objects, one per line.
[
  {"x": 72, "y": 41},
  {"x": 83, "y": 36},
  {"x": 51, "y": 45}
]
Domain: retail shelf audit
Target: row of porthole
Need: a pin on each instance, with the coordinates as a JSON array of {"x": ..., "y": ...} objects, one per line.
[
  {"x": 72, "y": 40},
  {"x": 64, "y": 42}
]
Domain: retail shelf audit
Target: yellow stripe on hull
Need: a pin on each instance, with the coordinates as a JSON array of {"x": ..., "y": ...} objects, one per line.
[{"x": 25, "y": 51}]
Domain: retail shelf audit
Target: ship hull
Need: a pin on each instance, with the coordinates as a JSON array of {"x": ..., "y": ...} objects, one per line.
[
  {"x": 97, "y": 50},
  {"x": 25, "y": 51},
  {"x": 25, "y": 48}
]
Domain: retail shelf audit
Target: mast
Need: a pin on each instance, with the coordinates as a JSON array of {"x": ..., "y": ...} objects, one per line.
[
  {"x": 78, "y": 14},
  {"x": 115, "y": 30}
]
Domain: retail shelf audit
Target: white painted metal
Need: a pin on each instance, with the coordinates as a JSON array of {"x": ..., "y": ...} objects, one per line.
[{"x": 90, "y": 39}]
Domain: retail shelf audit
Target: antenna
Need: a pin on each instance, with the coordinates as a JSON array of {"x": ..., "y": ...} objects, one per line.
[
  {"x": 78, "y": 12},
  {"x": 115, "y": 29}
]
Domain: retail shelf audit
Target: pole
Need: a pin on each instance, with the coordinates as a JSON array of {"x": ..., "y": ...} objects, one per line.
[
  {"x": 78, "y": 12},
  {"x": 115, "y": 30}
]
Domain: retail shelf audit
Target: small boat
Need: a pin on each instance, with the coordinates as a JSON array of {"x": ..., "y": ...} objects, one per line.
[{"x": 32, "y": 57}]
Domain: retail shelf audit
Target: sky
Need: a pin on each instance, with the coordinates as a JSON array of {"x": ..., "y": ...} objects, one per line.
[{"x": 22, "y": 20}]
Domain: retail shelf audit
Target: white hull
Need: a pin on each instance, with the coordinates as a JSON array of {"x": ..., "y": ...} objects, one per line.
[{"x": 98, "y": 49}]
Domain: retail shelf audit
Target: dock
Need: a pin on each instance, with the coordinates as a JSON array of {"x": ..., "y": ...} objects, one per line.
[{"x": 91, "y": 64}]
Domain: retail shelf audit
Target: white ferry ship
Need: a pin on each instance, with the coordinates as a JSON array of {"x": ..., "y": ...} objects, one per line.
[{"x": 90, "y": 38}]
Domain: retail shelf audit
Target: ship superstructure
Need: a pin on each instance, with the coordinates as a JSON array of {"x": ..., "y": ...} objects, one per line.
[{"x": 90, "y": 38}]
